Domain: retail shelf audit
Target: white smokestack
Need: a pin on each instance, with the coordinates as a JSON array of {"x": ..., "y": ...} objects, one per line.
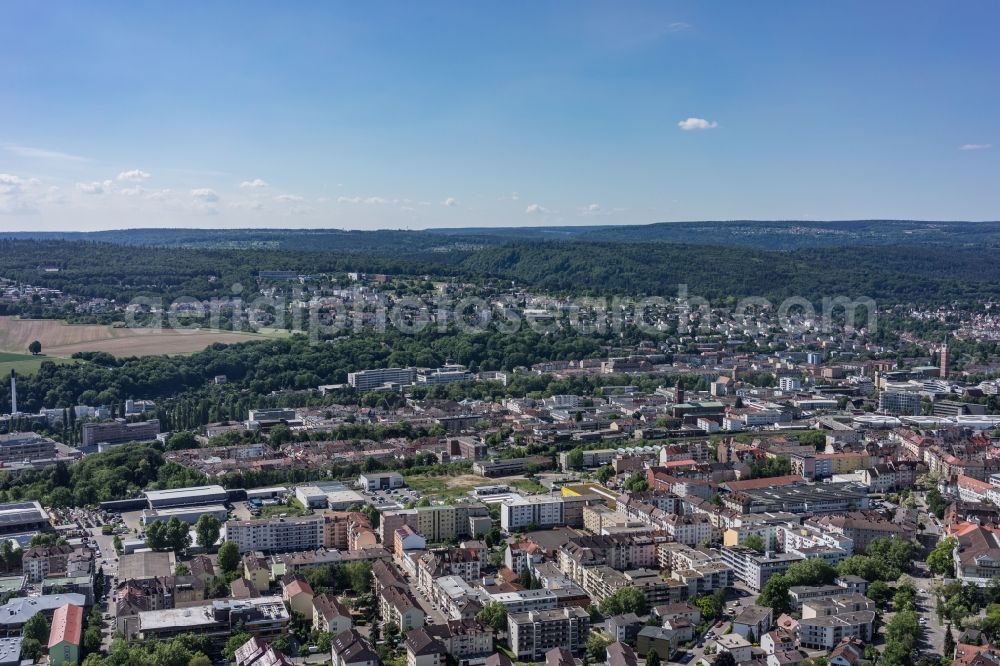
[{"x": 13, "y": 392}]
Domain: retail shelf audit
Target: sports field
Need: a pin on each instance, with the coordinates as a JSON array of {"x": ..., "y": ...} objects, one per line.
[{"x": 60, "y": 339}]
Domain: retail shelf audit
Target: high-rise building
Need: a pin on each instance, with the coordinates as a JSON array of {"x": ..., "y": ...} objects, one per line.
[{"x": 945, "y": 367}]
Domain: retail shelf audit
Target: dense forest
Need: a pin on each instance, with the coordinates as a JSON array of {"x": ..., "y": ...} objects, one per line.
[
  {"x": 894, "y": 274},
  {"x": 769, "y": 235}
]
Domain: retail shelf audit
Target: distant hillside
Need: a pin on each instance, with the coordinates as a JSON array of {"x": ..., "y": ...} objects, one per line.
[
  {"x": 893, "y": 274},
  {"x": 451, "y": 245}
]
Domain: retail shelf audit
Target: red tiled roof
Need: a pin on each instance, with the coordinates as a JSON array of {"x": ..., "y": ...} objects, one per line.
[{"x": 67, "y": 625}]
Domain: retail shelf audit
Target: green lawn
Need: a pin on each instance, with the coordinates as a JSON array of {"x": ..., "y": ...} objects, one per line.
[
  {"x": 25, "y": 364},
  {"x": 293, "y": 508},
  {"x": 527, "y": 485}
]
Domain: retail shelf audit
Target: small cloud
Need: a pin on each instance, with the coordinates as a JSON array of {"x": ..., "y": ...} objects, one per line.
[
  {"x": 450, "y": 202},
  {"x": 678, "y": 26},
  {"x": 205, "y": 194},
  {"x": 91, "y": 188},
  {"x": 43, "y": 154},
  {"x": 246, "y": 205},
  {"x": 289, "y": 198},
  {"x": 697, "y": 124},
  {"x": 255, "y": 184},
  {"x": 975, "y": 146},
  {"x": 592, "y": 208},
  {"x": 133, "y": 176},
  {"x": 536, "y": 209},
  {"x": 9, "y": 179}
]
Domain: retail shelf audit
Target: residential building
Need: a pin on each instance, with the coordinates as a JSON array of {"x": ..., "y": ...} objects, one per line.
[
  {"x": 330, "y": 615},
  {"x": 349, "y": 648},
  {"x": 753, "y": 568},
  {"x": 534, "y": 633},
  {"x": 65, "y": 635},
  {"x": 271, "y": 535}
]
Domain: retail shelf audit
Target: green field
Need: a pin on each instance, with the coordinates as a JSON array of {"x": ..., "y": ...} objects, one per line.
[{"x": 24, "y": 364}]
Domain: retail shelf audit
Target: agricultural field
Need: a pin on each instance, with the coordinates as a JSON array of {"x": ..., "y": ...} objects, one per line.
[
  {"x": 61, "y": 339},
  {"x": 23, "y": 364}
]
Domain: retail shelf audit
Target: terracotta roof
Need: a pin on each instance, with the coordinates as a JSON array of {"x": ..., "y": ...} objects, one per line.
[{"x": 67, "y": 625}]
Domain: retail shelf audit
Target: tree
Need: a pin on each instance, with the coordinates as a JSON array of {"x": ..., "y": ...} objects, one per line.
[
  {"x": 31, "y": 649},
  {"x": 494, "y": 614},
  {"x": 597, "y": 647},
  {"x": 574, "y": 459},
  {"x": 756, "y": 542},
  {"x": 652, "y": 659},
  {"x": 229, "y": 557},
  {"x": 724, "y": 659},
  {"x": 35, "y": 348},
  {"x": 324, "y": 641},
  {"x": 604, "y": 473},
  {"x": 181, "y": 440},
  {"x": 282, "y": 643},
  {"x": 233, "y": 643},
  {"x": 207, "y": 530},
  {"x": 879, "y": 592},
  {"x": 636, "y": 483},
  {"x": 949, "y": 643},
  {"x": 625, "y": 600},
  {"x": 37, "y": 627},
  {"x": 200, "y": 659},
  {"x": 941, "y": 561}
]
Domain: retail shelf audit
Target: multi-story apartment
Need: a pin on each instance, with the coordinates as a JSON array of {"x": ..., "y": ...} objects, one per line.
[
  {"x": 366, "y": 380},
  {"x": 541, "y": 511},
  {"x": 120, "y": 432},
  {"x": 692, "y": 529},
  {"x": 534, "y": 633},
  {"x": 438, "y": 523},
  {"x": 826, "y": 622},
  {"x": 396, "y": 603},
  {"x": 754, "y": 568},
  {"x": 899, "y": 402},
  {"x": 862, "y": 526},
  {"x": 62, "y": 561},
  {"x": 276, "y": 534},
  {"x": 263, "y": 617}
]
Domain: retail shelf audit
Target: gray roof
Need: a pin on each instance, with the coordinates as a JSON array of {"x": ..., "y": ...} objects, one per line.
[{"x": 19, "y": 610}]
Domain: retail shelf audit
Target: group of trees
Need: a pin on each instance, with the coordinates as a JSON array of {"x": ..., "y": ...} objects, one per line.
[
  {"x": 808, "y": 572},
  {"x": 625, "y": 600},
  {"x": 884, "y": 559},
  {"x": 116, "y": 474},
  {"x": 355, "y": 577},
  {"x": 173, "y": 535}
]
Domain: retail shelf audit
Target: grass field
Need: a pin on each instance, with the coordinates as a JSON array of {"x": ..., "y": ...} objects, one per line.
[
  {"x": 455, "y": 486},
  {"x": 24, "y": 364},
  {"x": 61, "y": 339}
]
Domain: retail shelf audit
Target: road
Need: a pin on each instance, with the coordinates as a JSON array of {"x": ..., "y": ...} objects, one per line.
[
  {"x": 108, "y": 562},
  {"x": 433, "y": 616},
  {"x": 737, "y": 598}
]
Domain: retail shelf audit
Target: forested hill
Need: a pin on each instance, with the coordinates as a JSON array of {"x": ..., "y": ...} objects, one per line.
[
  {"x": 893, "y": 274},
  {"x": 449, "y": 244}
]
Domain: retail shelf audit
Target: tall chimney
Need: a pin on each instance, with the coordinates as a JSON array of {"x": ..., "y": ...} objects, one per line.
[{"x": 13, "y": 392}]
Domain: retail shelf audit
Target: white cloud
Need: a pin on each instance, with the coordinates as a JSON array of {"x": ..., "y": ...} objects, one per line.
[
  {"x": 133, "y": 176},
  {"x": 292, "y": 198},
  {"x": 975, "y": 146},
  {"x": 678, "y": 26},
  {"x": 18, "y": 195},
  {"x": 450, "y": 202},
  {"x": 697, "y": 124},
  {"x": 536, "y": 209},
  {"x": 593, "y": 208},
  {"x": 91, "y": 188},
  {"x": 246, "y": 205},
  {"x": 43, "y": 154},
  {"x": 205, "y": 194},
  {"x": 255, "y": 184},
  {"x": 371, "y": 201}
]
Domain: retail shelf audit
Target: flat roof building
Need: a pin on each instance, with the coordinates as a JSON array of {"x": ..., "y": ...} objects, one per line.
[
  {"x": 18, "y": 517},
  {"x": 177, "y": 497}
]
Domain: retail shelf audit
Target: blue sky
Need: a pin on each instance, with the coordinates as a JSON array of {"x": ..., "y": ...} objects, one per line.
[{"x": 412, "y": 115}]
